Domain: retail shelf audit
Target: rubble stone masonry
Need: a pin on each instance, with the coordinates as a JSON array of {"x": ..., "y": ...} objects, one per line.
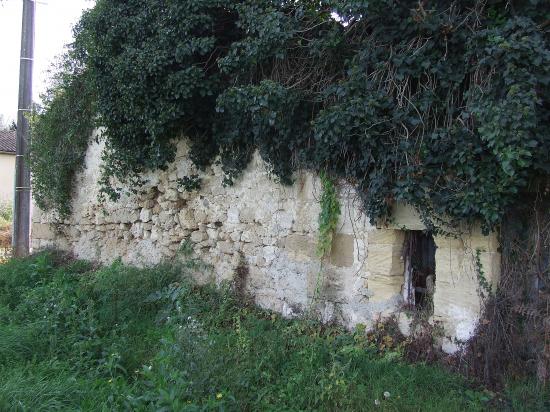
[{"x": 272, "y": 230}]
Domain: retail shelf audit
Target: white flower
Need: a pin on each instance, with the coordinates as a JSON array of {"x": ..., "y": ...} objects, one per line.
[
  {"x": 386, "y": 395},
  {"x": 377, "y": 402}
]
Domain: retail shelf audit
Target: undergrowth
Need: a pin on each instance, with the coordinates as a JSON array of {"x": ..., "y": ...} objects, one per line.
[
  {"x": 76, "y": 337},
  {"x": 6, "y": 214}
]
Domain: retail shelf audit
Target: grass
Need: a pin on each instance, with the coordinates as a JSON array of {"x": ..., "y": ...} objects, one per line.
[
  {"x": 75, "y": 337},
  {"x": 6, "y": 217},
  {"x": 6, "y": 214}
]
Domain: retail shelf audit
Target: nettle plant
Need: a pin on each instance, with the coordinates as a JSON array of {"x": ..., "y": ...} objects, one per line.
[{"x": 443, "y": 105}]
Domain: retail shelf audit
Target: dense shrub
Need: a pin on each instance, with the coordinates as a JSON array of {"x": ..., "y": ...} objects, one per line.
[{"x": 444, "y": 105}]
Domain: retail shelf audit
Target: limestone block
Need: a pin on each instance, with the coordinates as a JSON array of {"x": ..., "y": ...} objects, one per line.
[
  {"x": 147, "y": 203},
  {"x": 37, "y": 215},
  {"x": 449, "y": 264},
  {"x": 145, "y": 215},
  {"x": 165, "y": 216},
  {"x": 383, "y": 288},
  {"x": 405, "y": 217},
  {"x": 233, "y": 215},
  {"x": 200, "y": 216},
  {"x": 260, "y": 261},
  {"x": 269, "y": 253},
  {"x": 490, "y": 265},
  {"x": 250, "y": 236},
  {"x": 43, "y": 231},
  {"x": 462, "y": 292},
  {"x": 225, "y": 247},
  {"x": 475, "y": 240},
  {"x": 283, "y": 220},
  {"x": 98, "y": 220},
  {"x": 306, "y": 217},
  {"x": 299, "y": 245},
  {"x": 325, "y": 284},
  {"x": 198, "y": 236},
  {"x": 308, "y": 187},
  {"x": 385, "y": 260},
  {"x": 186, "y": 220},
  {"x": 212, "y": 233},
  {"x": 342, "y": 252},
  {"x": 169, "y": 224},
  {"x": 137, "y": 230},
  {"x": 386, "y": 237},
  {"x": 247, "y": 215},
  {"x": 450, "y": 243},
  {"x": 235, "y": 236},
  {"x": 171, "y": 195},
  {"x": 217, "y": 190}
]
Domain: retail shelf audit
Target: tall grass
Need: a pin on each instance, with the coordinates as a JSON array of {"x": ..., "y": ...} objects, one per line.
[
  {"x": 6, "y": 213},
  {"x": 76, "y": 337}
]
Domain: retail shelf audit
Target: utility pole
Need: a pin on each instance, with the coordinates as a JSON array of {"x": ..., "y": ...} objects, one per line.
[{"x": 22, "y": 202}]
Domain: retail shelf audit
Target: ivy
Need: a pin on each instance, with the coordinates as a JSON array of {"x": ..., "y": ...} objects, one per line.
[
  {"x": 61, "y": 131},
  {"x": 443, "y": 105},
  {"x": 328, "y": 217}
]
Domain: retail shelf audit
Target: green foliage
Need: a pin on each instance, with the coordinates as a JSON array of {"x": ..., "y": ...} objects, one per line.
[
  {"x": 75, "y": 337},
  {"x": 61, "y": 131},
  {"x": 328, "y": 217},
  {"x": 6, "y": 213},
  {"x": 444, "y": 105},
  {"x": 190, "y": 183},
  {"x": 485, "y": 289}
]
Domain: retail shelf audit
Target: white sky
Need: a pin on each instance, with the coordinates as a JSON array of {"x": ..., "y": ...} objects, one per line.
[{"x": 54, "y": 20}]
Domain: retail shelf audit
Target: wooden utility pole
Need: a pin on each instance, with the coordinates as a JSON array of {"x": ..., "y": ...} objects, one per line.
[{"x": 22, "y": 201}]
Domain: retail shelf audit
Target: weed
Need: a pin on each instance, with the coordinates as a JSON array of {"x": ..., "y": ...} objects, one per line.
[{"x": 75, "y": 337}]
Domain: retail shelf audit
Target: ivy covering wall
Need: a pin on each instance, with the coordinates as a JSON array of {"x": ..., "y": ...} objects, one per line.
[{"x": 444, "y": 105}]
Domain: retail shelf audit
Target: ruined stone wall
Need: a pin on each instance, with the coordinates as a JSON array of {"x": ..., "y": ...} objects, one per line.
[{"x": 272, "y": 230}]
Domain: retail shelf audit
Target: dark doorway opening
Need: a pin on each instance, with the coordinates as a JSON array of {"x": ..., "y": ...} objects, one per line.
[{"x": 419, "y": 254}]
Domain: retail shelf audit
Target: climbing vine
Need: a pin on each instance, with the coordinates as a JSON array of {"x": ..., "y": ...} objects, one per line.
[
  {"x": 443, "y": 105},
  {"x": 328, "y": 217}
]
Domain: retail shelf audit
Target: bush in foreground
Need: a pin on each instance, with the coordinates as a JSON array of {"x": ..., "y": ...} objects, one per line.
[{"x": 76, "y": 337}]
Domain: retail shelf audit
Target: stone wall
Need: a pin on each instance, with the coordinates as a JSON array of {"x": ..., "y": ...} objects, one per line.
[{"x": 272, "y": 230}]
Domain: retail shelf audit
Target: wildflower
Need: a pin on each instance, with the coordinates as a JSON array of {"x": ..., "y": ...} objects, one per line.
[
  {"x": 386, "y": 395},
  {"x": 377, "y": 402},
  {"x": 219, "y": 396},
  {"x": 110, "y": 380}
]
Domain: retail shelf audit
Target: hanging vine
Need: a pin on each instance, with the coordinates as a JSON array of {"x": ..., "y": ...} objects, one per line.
[
  {"x": 328, "y": 217},
  {"x": 443, "y": 105}
]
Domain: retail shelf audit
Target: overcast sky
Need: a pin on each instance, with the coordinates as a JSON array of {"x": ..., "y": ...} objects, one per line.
[{"x": 54, "y": 22}]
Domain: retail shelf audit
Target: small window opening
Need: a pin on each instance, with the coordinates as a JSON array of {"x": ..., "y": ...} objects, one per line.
[{"x": 419, "y": 255}]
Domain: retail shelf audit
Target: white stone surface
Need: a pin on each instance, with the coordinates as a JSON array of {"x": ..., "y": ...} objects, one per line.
[{"x": 274, "y": 229}]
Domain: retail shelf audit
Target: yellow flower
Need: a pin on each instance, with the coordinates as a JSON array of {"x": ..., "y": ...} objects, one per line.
[
  {"x": 219, "y": 396},
  {"x": 110, "y": 380}
]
